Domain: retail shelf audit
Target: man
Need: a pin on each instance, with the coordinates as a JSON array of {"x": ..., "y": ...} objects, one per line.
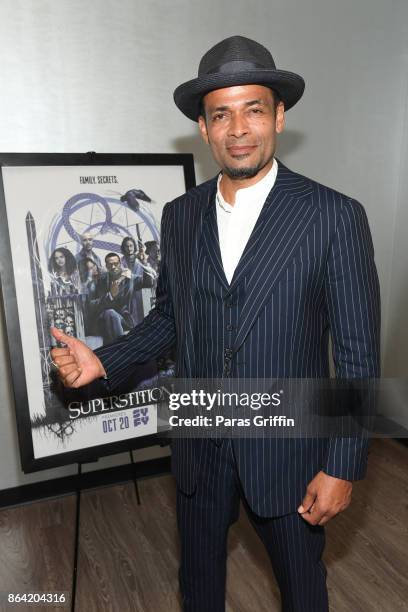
[
  {"x": 109, "y": 302},
  {"x": 153, "y": 254},
  {"x": 86, "y": 253},
  {"x": 142, "y": 276},
  {"x": 257, "y": 266}
]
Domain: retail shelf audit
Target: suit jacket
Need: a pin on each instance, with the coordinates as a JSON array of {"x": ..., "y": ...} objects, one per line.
[
  {"x": 100, "y": 298},
  {"x": 309, "y": 269},
  {"x": 141, "y": 279}
]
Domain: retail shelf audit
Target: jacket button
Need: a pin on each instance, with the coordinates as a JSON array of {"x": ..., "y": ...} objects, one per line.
[{"x": 230, "y": 327}]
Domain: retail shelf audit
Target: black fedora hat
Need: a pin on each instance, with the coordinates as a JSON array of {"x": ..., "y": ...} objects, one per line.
[{"x": 237, "y": 61}]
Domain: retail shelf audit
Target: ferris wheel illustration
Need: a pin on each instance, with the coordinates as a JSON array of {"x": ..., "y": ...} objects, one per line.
[{"x": 109, "y": 219}]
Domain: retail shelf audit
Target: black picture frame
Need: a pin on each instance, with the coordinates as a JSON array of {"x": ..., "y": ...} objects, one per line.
[{"x": 23, "y": 165}]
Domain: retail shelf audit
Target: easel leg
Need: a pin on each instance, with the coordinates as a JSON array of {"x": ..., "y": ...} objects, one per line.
[
  {"x": 76, "y": 547},
  {"x": 135, "y": 479}
]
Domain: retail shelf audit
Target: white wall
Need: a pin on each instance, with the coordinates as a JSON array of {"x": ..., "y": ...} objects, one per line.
[
  {"x": 396, "y": 337},
  {"x": 99, "y": 75}
]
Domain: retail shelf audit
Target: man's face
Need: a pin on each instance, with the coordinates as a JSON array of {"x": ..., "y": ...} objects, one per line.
[
  {"x": 87, "y": 242},
  {"x": 113, "y": 266},
  {"x": 129, "y": 248},
  {"x": 153, "y": 251},
  {"x": 240, "y": 125}
]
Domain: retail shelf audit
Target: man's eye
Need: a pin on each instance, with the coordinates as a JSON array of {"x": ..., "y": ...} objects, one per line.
[
  {"x": 218, "y": 116},
  {"x": 256, "y": 111}
]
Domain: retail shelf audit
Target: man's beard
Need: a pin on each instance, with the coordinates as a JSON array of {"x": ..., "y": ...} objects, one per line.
[
  {"x": 243, "y": 172},
  {"x": 237, "y": 173}
]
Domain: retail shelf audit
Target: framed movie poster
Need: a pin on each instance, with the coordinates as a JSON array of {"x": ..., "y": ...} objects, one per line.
[{"x": 80, "y": 250}]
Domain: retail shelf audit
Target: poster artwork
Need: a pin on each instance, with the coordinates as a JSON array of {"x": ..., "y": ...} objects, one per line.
[{"x": 92, "y": 245}]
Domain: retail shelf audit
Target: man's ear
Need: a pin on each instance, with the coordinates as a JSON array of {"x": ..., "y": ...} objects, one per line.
[
  {"x": 203, "y": 128},
  {"x": 280, "y": 118}
]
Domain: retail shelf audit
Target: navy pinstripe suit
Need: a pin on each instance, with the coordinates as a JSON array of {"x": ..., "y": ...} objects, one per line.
[{"x": 307, "y": 270}]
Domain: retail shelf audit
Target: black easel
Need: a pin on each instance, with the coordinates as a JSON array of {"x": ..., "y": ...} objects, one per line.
[
  {"x": 76, "y": 545},
  {"x": 134, "y": 478}
]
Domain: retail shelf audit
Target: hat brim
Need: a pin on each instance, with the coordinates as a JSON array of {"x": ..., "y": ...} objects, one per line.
[{"x": 187, "y": 96}]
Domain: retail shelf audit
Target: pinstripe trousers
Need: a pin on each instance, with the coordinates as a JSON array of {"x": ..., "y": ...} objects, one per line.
[{"x": 294, "y": 547}]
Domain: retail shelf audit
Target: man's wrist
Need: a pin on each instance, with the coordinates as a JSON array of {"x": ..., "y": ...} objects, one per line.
[
  {"x": 102, "y": 372},
  {"x": 326, "y": 473}
]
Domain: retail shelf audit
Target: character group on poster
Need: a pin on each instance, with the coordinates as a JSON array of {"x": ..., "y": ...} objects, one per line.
[{"x": 111, "y": 290}]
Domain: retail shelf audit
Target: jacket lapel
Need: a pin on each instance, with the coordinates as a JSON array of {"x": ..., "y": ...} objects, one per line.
[
  {"x": 211, "y": 244},
  {"x": 201, "y": 207},
  {"x": 287, "y": 216}
]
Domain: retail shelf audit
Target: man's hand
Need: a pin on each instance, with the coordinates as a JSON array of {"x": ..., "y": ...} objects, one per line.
[
  {"x": 325, "y": 497},
  {"x": 114, "y": 288},
  {"x": 77, "y": 364}
]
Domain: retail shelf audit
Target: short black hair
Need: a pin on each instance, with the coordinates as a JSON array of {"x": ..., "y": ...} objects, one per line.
[
  {"x": 276, "y": 99},
  {"x": 111, "y": 255}
]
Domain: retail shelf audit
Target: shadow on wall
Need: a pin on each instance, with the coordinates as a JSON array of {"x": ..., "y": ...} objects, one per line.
[
  {"x": 396, "y": 342},
  {"x": 204, "y": 164},
  {"x": 206, "y": 167}
]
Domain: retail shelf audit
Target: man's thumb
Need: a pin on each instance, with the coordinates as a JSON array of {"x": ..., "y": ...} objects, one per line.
[
  {"x": 60, "y": 336},
  {"x": 307, "y": 502}
]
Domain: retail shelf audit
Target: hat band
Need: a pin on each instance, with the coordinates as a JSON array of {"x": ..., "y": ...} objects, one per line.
[{"x": 237, "y": 66}]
